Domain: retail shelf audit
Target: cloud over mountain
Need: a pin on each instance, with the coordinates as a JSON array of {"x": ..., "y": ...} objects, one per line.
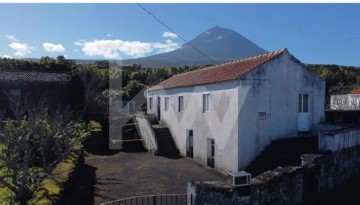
[
  {"x": 217, "y": 45},
  {"x": 114, "y": 49}
]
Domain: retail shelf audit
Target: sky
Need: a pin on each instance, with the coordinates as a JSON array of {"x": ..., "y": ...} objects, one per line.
[{"x": 314, "y": 33}]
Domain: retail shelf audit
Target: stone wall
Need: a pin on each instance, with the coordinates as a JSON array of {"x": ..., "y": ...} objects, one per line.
[
  {"x": 336, "y": 140},
  {"x": 290, "y": 185},
  {"x": 147, "y": 133}
]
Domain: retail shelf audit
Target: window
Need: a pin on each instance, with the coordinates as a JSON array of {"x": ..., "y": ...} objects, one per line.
[
  {"x": 166, "y": 103},
  {"x": 261, "y": 115},
  {"x": 181, "y": 103},
  {"x": 15, "y": 92},
  {"x": 303, "y": 103},
  {"x": 206, "y": 102},
  {"x": 150, "y": 103}
]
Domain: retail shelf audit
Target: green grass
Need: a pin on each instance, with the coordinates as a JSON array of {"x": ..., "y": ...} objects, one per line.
[
  {"x": 51, "y": 188},
  {"x": 5, "y": 193}
]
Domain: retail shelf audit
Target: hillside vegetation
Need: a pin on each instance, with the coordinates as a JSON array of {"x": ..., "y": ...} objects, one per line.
[
  {"x": 340, "y": 80},
  {"x": 96, "y": 76}
]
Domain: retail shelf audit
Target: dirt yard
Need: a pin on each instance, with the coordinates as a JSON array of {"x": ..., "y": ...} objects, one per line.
[{"x": 121, "y": 175}]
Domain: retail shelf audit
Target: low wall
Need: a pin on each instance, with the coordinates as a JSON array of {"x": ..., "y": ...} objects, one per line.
[
  {"x": 147, "y": 133},
  {"x": 290, "y": 185},
  {"x": 279, "y": 186},
  {"x": 336, "y": 140},
  {"x": 52, "y": 189}
]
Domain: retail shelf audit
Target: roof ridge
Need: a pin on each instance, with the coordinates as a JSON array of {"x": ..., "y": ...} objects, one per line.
[
  {"x": 232, "y": 62},
  {"x": 219, "y": 73}
]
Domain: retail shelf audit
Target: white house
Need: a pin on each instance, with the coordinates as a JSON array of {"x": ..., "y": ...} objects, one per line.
[
  {"x": 350, "y": 101},
  {"x": 223, "y": 116}
]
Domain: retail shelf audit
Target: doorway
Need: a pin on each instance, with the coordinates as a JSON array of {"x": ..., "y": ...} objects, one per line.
[
  {"x": 158, "y": 108},
  {"x": 211, "y": 152},
  {"x": 190, "y": 144}
]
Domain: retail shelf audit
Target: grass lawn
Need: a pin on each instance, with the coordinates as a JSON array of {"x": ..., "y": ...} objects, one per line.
[{"x": 5, "y": 193}]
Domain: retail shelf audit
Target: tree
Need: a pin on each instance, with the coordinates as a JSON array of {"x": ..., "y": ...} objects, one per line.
[
  {"x": 139, "y": 75},
  {"x": 47, "y": 63},
  {"x": 32, "y": 145},
  {"x": 133, "y": 88}
]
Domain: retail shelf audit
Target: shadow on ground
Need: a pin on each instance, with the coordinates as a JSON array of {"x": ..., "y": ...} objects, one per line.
[
  {"x": 81, "y": 191},
  {"x": 347, "y": 193}
]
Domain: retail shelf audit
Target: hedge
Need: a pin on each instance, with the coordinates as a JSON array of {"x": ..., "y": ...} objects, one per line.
[{"x": 51, "y": 189}]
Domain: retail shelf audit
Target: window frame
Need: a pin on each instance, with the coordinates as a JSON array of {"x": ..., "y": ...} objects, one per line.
[
  {"x": 166, "y": 103},
  {"x": 206, "y": 102},
  {"x": 304, "y": 103},
  {"x": 150, "y": 103},
  {"x": 180, "y": 105},
  {"x": 15, "y": 92}
]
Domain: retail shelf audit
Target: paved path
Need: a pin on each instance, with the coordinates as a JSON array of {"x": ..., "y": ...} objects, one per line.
[{"x": 133, "y": 174}]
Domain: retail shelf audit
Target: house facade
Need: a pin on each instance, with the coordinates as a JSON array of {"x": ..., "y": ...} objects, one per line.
[{"x": 223, "y": 116}]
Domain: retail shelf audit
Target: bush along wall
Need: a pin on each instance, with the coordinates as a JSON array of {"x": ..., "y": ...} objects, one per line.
[{"x": 51, "y": 190}]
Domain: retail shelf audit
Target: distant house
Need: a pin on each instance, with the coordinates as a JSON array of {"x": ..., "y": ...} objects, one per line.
[
  {"x": 350, "y": 101},
  {"x": 225, "y": 115},
  {"x": 16, "y": 87}
]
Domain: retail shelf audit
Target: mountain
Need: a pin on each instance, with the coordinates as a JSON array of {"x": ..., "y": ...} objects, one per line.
[{"x": 220, "y": 44}]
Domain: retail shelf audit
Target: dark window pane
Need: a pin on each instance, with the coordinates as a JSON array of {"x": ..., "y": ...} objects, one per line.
[
  {"x": 300, "y": 103},
  {"x": 306, "y": 102},
  {"x": 181, "y": 103}
]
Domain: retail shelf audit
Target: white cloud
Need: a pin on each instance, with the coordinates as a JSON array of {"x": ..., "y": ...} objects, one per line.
[
  {"x": 109, "y": 34},
  {"x": 76, "y": 50},
  {"x": 166, "y": 47},
  {"x": 21, "y": 48},
  {"x": 5, "y": 56},
  {"x": 113, "y": 48},
  {"x": 12, "y": 38},
  {"x": 116, "y": 48},
  {"x": 219, "y": 38},
  {"x": 168, "y": 34},
  {"x": 50, "y": 47}
]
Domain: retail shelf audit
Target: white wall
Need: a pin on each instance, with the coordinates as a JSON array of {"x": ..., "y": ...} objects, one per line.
[
  {"x": 338, "y": 140},
  {"x": 274, "y": 88},
  {"x": 147, "y": 133},
  {"x": 220, "y": 123},
  {"x": 345, "y": 102}
]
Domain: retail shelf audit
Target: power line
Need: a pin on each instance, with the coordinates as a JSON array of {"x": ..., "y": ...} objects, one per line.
[{"x": 166, "y": 26}]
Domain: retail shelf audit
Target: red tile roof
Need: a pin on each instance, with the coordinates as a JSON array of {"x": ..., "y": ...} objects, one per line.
[
  {"x": 357, "y": 91},
  {"x": 218, "y": 73}
]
